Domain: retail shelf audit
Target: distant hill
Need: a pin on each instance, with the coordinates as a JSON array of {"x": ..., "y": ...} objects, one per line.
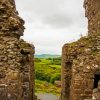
[{"x": 47, "y": 56}]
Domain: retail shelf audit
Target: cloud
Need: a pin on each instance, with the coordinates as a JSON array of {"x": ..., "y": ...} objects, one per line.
[
  {"x": 52, "y": 23},
  {"x": 58, "y": 20},
  {"x": 53, "y": 13}
]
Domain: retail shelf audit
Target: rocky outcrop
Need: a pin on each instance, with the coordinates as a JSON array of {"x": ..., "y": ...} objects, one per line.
[
  {"x": 81, "y": 59},
  {"x": 16, "y": 56}
]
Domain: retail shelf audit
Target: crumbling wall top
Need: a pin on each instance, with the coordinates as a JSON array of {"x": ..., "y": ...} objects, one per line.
[
  {"x": 92, "y": 12},
  {"x": 10, "y": 23}
]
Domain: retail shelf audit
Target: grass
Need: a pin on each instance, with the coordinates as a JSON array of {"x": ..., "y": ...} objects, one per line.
[
  {"x": 56, "y": 66},
  {"x": 45, "y": 87},
  {"x": 47, "y": 72}
]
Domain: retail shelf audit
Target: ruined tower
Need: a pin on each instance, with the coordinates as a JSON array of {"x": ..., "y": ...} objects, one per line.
[
  {"x": 16, "y": 56},
  {"x": 81, "y": 60}
]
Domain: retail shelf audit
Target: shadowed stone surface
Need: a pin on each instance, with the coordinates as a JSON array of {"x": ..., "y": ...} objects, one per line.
[
  {"x": 81, "y": 60},
  {"x": 16, "y": 56}
]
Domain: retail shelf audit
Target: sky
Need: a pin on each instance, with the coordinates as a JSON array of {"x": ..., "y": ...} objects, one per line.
[{"x": 52, "y": 23}]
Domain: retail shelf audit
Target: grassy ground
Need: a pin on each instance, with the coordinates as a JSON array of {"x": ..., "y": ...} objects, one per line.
[
  {"x": 47, "y": 72},
  {"x": 45, "y": 87}
]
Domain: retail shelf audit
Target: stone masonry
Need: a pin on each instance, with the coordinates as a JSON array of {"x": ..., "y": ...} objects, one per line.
[
  {"x": 81, "y": 60},
  {"x": 16, "y": 56}
]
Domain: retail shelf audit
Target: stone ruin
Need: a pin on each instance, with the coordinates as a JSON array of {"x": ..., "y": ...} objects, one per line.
[
  {"x": 81, "y": 60},
  {"x": 16, "y": 56}
]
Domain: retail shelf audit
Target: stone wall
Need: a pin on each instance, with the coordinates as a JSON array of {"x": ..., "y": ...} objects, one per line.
[
  {"x": 92, "y": 9},
  {"x": 81, "y": 59},
  {"x": 16, "y": 56}
]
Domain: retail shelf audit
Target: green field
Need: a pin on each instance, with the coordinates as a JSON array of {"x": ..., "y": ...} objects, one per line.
[{"x": 47, "y": 71}]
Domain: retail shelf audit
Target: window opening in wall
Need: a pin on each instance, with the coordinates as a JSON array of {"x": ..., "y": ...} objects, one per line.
[{"x": 96, "y": 80}]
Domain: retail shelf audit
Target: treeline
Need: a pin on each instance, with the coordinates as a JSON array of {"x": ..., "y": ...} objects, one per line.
[
  {"x": 48, "y": 69},
  {"x": 54, "y": 61}
]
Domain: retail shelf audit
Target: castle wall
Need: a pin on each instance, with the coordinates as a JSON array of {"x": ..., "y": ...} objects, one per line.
[
  {"x": 85, "y": 57},
  {"x": 92, "y": 12},
  {"x": 66, "y": 73},
  {"x": 16, "y": 56}
]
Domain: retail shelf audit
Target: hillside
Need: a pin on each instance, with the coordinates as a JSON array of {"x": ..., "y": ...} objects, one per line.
[
  {"x": 47, "y": 56},
  {"x": 48, "y": 71}
]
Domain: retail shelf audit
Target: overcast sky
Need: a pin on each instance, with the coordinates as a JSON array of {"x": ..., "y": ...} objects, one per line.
[{"x": 52, "y": 23}]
